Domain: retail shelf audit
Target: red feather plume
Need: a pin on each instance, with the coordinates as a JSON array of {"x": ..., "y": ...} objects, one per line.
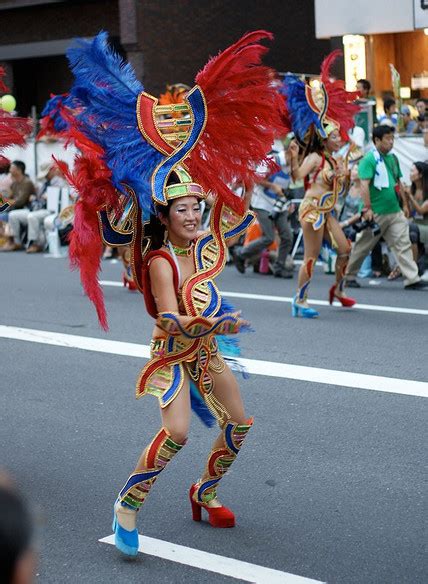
[
  {"x": 13, "y": 130},
  {"x": 91, "y": 178},
  {"x": 341, "y": 106},
  {"x": 245, "y": 116},
  {"x": 3, "y": 88}
]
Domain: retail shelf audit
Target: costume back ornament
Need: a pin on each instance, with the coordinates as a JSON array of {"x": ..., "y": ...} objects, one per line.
[{"x": 137, "y": 155}]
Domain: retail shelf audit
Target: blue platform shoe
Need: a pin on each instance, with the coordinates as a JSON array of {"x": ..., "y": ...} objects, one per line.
[
  {"x": 125, "y": 541},
  {"x": 303, "y": 311}
]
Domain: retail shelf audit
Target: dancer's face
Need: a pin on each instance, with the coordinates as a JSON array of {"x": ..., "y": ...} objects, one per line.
[
  {"x": 334, "y": 141},
  {"x": 184, "y": 220},
  {"x": 414, "y": 173}
]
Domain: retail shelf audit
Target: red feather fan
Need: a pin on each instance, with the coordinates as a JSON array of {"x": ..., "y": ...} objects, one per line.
[
  {"x": 341, "y": 106},
  {"x": 91, "y": 178},
  {"x": 245, "y": 115}
]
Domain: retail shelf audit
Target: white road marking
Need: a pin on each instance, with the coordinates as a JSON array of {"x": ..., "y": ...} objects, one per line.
[
  {"x": 288, "y": 299},
  {"x": 214, "y": 563},
  {"x": 254, "y": 366}
]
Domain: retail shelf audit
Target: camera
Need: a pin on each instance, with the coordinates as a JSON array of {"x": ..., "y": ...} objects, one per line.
[
  {"x": 364, "y": 224},
  {"x": 280, "y": 204}
]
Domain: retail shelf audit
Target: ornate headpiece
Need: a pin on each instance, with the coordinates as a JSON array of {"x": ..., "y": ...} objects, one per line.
[
  {"x": 138, "y": 152},
  {"x": 320, "y": 108}
]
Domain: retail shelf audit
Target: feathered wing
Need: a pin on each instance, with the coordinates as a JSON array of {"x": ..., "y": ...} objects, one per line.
[
  {"x": 92, "y": 180},
  {"x": 341, "y": 107},
  {"x": 105, "y": 94},
  {"x": 245, "y": 114},
  {"x": 100, "y": 119}
]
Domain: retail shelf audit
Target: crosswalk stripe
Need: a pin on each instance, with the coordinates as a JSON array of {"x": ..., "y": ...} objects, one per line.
[
  {"x": 254, "y": 366},
  {"x": 223, "y": 565},
  {"x": 315, "y": 302}
]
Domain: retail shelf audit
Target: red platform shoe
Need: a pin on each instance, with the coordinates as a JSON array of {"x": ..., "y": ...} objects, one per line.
[
  {"x": 344, "y": 301},
  {"x": 217, "y": 516},
  {"x": 130, "y": 284}
]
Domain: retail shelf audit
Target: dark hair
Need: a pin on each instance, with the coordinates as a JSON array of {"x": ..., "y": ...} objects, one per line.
[
  {"x": 156, "y": 228},
  {"x": 19, "y": 164},
  {"x": 423, "y": 171},
  {"x": 15, "y": 532},
  {"x": 382, "y": 130},
  {"x": 387, "y": 103},
  {"x": 365, "y": 83},
  {"x": 422, "y": 100}
]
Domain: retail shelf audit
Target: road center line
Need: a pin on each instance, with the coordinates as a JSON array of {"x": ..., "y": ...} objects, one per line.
[
  {"x": 288, "y": 299},
  {"x": 214, "y": 563},
  {"x": 254, "y": 366}
]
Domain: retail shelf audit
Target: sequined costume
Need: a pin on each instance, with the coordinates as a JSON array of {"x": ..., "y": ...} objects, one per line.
[{"x": 138, "y": 157}]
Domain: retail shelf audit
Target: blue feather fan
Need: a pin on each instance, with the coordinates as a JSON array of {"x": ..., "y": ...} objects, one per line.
[
  {"x": 301, "y": 115},
  {"x": 105, "y": 95}
]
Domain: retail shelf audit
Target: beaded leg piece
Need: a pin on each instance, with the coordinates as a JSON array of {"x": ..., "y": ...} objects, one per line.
[
  {"x": 219, "y": 462},
  {"x": 341, "y": 265},
  {"x": 302, "y": 292},
  {"x": 159, "y": 452}
]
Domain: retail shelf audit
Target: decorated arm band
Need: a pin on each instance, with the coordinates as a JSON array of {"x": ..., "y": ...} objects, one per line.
[{"x": 198, "y": 326}]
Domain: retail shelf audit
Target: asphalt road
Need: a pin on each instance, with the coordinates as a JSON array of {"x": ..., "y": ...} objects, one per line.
[{"x": 328, "y": 486}]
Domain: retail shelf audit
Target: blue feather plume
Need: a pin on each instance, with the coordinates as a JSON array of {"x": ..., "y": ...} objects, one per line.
[
  {"x": 105, "y": 94},
  {"x": 301, "y": 115}
]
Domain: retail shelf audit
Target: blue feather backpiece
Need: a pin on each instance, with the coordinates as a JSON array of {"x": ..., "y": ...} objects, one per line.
[
  {"x": 301, "y": 115},
  {"x": 104, "y": 96}
]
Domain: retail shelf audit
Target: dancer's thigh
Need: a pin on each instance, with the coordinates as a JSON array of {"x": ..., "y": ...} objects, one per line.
[
  {"x": 176, "y": 416},
  {"x": 312, "y": 240},
  {"x": 226, "y": 390}
]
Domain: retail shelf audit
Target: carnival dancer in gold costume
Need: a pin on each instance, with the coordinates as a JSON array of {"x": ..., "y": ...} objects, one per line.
[
  {"x": 143, "y": 187},
  {"x": 320, "y": 117}
]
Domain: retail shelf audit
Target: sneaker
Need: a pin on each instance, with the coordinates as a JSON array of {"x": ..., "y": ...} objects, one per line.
[
  {"x": 283, "y": 274},
  {"x": 420, "y": 285},
  {"x": 352, "y": 284}
]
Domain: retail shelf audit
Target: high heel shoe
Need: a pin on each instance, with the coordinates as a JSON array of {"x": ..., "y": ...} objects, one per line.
[
  {"x": 125, "y": 541},
  {"x": 304, "y": 311},
  {"x": 130, "y": 284},
  {"x": 344, "y": 301},
  {"x": 217, "y": 516}
]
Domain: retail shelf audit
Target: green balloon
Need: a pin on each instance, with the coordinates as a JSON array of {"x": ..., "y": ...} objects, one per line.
[{"x": 8, "y": 103}]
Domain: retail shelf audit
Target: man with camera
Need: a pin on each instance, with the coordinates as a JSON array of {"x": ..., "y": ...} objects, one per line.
[
  {"x": 270, "y": 201},
  {"x": 381, "y": 191}
]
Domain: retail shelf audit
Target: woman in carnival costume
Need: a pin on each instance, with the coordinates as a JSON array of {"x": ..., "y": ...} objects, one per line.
[
  {"x": 320, "y": 118},
  {"x": 13, "y": 132},
  {"x": 141, "y": 175}
]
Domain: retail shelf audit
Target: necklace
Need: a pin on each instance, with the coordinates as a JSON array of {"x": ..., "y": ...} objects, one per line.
[{"x": 181, "y": 251}]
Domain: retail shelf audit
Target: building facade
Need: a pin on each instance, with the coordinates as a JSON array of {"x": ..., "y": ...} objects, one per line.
[{"x": 167, "y": 41}]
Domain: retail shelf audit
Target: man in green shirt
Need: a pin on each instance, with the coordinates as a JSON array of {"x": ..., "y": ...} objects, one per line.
[{"x": 380, "y": 175}]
